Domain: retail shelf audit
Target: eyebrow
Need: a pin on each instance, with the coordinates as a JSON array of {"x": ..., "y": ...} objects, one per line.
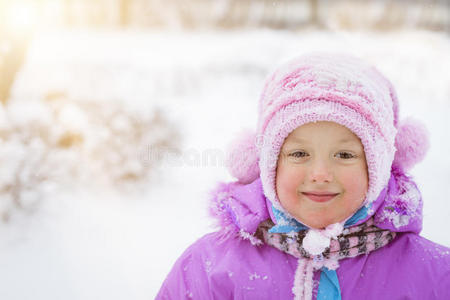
[
  {"x": 297, "y": 139},
  {"x": 341, "y": 141},
  {"x": 347, "y": 140}
]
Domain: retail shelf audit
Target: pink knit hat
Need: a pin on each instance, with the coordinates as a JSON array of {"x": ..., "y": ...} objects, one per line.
[{"x": 337, "y": 88}]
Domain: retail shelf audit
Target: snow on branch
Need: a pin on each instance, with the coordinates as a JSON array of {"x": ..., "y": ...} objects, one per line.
[{"x": 59, "y": 141}]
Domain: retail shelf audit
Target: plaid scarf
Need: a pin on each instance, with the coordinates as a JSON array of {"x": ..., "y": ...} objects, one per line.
[{"x": 353, "y": 241}]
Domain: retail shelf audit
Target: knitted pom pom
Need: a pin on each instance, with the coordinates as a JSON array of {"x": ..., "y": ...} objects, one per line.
[
  {"x": 242, "y": 157},
  {"x": 315, "y": 242},
  {"x": 411, "y": 143}
]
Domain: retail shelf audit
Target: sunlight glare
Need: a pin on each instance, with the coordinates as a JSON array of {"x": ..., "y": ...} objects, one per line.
[{"x": 22, "y": 16}]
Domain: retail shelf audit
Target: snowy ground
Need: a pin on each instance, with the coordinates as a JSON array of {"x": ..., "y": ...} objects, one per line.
[{"x": 98, "y": 244}]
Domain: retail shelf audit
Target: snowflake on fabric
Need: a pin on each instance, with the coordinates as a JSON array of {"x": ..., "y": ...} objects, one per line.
[{"x": 404, "y": 203}]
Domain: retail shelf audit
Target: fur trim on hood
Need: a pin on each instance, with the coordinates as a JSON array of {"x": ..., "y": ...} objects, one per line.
[{"x": 239, "y": 208}]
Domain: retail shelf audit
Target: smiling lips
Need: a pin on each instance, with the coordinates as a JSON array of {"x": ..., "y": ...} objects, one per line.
[{"x": 320, "y": 196}]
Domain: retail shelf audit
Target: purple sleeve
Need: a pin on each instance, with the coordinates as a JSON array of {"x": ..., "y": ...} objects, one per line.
[
  {"x": 442, "y": 286},
  {"x": 187, "y": 278}
]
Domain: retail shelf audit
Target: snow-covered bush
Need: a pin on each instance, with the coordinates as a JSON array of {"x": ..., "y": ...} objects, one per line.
[{"x": 60, "y": 141}]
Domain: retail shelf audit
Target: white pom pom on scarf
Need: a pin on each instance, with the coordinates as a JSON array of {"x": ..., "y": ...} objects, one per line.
[{"x": 316, "y": 240}]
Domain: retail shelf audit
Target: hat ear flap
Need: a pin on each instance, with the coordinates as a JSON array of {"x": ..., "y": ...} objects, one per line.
[
  {"x": 411, "y": 142},
  {"x": 243, "y": 157}
]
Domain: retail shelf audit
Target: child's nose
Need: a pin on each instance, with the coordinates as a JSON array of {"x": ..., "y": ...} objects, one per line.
[{"x": 320, "y": 172}]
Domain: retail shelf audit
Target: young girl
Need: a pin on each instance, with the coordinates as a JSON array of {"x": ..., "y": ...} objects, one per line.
[{"x": 323, "y": 207}]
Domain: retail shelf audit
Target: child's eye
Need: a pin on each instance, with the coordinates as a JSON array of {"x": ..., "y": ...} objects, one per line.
[
  {"x": 299, "y": 154},
  {"x": 345, "y": 155}
]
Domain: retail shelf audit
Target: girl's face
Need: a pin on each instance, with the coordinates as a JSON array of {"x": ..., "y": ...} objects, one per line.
[{"x": 321, "y": 174}]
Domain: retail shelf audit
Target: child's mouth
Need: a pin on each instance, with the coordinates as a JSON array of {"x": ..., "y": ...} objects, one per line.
[{"x": 320, "y": 197}]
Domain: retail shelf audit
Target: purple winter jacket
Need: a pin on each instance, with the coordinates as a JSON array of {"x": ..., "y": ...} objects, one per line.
[{"x": 229, "y": 265}]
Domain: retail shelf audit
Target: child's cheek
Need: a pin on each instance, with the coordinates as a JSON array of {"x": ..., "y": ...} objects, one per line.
[
  {"x": 354, "y": 183},
  {"x": 289, "y": 179}
]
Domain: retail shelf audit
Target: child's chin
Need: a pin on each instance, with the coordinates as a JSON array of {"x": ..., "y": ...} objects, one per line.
[{"x": 319, "y": 222}]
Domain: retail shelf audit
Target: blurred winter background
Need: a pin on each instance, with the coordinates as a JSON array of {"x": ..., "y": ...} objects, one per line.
[{"x": 115, "y": 115}]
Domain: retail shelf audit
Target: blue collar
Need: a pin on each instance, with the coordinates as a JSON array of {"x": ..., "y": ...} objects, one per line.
[{"x": 286, "y": 224}]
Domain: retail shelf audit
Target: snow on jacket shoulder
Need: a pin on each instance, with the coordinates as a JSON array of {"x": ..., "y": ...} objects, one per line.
[
  {"x": 411, "y": 267},
  {"x": 230, "y": 269},
  {"x": 233, "y": 264}
]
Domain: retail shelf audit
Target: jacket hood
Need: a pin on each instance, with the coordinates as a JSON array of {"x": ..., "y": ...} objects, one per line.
[{"x": 240, "y": 208}]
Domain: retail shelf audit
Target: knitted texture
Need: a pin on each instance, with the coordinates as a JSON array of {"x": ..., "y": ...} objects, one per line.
[
  {"x": 411, "y": 143},
  {"x": 242, "y": 159},
  {"x": 335, "y": 88},
  {"x": 340, "y": 89},
  {"x": 353, "y": 241}
]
